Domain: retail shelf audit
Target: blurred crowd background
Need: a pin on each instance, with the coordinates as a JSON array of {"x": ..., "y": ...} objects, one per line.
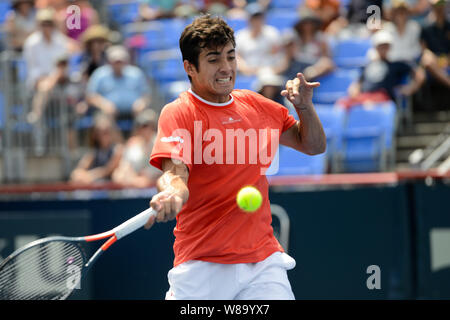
[{"x": 83, "y": 82}]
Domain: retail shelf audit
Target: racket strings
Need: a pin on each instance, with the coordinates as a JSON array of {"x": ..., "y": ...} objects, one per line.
[{"x": 44, "y": 271}]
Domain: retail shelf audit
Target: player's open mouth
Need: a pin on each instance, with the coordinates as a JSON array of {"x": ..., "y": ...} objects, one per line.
[{"x": 224, "y": 80}]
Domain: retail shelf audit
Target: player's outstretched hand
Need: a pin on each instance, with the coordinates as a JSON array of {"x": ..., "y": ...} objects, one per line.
[
  {"x": 299, "y": 91},
  {"x": 167, "y": 204}
]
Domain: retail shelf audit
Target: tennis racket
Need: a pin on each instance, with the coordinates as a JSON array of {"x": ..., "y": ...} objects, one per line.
[{"x": 51, "y": 268}]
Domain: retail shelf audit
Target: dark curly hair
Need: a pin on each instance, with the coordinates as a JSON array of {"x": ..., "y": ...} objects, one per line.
[{"x": 204, "y": 32}]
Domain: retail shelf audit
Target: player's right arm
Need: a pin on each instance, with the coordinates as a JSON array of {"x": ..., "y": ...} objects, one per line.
[{"x": 173, "y": 191}]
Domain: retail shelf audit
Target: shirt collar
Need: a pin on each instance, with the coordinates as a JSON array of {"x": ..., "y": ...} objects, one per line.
[{"x": 214, "y": 104}]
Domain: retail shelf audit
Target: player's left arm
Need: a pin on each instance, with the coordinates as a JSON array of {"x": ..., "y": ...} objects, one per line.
[{"x": 307, "y": 135}]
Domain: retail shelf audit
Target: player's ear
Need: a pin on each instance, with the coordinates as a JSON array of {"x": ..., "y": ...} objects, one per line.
[{"x": 189, "y": 68}]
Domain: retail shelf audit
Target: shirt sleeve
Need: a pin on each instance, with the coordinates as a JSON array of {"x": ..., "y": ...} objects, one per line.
[{"x": 174, "y": 138}]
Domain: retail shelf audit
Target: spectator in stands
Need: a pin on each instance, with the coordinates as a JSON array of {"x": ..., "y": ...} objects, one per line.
[
  {"x": 259, "y": 45},
  {"x": 42, "y": 49},
  {"x": 380, "y": 77},
  {"x": 157, "y": 9},
  {"x": 419, "y": 9},
  {"x": 352, "y": 21},
  {"x": 133, "y": 170},
  {"x": 270, "y": 85},
  {"x": 307, "y": 50},
  {"x": 216, "y": 7},
  {"x": 104, "y": 157},
  {"x": 57, "y": 95},
  {"x": 326, "y": 10},
  {"x": 20, "y": 23},
  {"x": 95, "y": 42},
  {"x": 55, "y": 4},
  {"x": 238, "y": 9},
  {"x": 406, "y": 45},
  {"x": 435, "y": 33},
  {"x": 118, "y": 88}
]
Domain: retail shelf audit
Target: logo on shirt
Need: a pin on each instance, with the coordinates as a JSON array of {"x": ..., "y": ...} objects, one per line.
[
  {"x": 228, "y": 120},
  {"x": 172, "y": 139}
]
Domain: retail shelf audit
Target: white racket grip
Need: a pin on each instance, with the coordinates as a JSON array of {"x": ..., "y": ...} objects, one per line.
[{"x": 134, "y": 223}]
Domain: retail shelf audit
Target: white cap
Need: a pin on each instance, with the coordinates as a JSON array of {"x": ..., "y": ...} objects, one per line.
[
  {"x": 382, "y": 37},
  {"x": 117, "y": 53},
  {"x": 266, "y": 77}
]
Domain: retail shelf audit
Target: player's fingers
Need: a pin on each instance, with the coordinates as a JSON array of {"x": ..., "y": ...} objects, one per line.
[
  {"x": 166, "y": 210},
  {"x": 289, "y": 85},
  {"x": 301, "y": 78},
  {"x": 168, "y": 216},
  {"x": 313, "y": 84},
  {"x": 150, "y": 222},
  {"x": 295, "y": 86}
]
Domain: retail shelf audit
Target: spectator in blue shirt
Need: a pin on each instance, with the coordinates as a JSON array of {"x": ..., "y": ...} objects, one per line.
[
  {"x": 118, "y": 89},
  {"x": 381, "y": 77}
]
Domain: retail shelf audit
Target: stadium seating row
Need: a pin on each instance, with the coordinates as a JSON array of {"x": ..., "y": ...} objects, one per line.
[{"x": 359, "y": 140}]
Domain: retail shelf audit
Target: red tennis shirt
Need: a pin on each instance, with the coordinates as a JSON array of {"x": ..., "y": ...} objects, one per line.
[{"x": 226, "y": 147}]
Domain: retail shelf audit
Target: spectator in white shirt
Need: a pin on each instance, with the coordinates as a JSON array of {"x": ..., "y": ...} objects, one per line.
[
  {"x": 20, "y": 23},
  {"x": 259, "y": 45},
  {"x": 406, "y": 45},
  {"x": 43, "y": 48},
  {"x": 42, "y": 51}
]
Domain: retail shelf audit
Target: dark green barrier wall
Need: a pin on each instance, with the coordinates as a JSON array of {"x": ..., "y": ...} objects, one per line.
[
  {"x": 432, "y": 212},
  {"x": 335, "y": 235}
]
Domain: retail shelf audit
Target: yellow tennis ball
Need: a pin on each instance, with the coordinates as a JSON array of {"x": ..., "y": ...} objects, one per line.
[{"x": 249, "y": 199}]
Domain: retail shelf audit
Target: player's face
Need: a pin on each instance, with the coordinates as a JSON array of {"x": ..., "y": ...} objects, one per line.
[{"x": 215, "y": 76}]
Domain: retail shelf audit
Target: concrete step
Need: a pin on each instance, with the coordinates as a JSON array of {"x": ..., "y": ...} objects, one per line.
[
  {"x": 440, "y": 116},
  {"x": 413, "y": 142},
  {"x": 428, "y": 128},
  {"x": 403, "y": 155},
  {"x": 22, "y": 168}
]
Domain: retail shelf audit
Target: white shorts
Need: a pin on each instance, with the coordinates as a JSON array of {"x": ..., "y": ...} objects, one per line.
[{"x": 201, "y": 280}]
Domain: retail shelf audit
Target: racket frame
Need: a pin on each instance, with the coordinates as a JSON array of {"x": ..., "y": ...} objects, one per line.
[{"x": 113, "y": 235}]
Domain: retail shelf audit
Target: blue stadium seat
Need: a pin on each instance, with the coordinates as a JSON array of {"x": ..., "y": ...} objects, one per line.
[
  {"x": 237, "y": 24},
  {"x": 5, "y": 6},
  {"x": 156, "y": 39},
  {"x": 333, "y": 121},
  {"x": 169, "y": 70},
  {"x": 123, "y": 12},
  {"x": 292, "y": 162},
  {"x": 286, "y": 4},
  {"x": 351, "y": 53},
  {"x": 368, "y": 136},
  {"x": 334, "y": 86},
  {"x": 172, "y": 29},
  {"x": 245, "y": 82},
  {"x": 282, "y": 19},
  {"x": 172, "y": 90}
]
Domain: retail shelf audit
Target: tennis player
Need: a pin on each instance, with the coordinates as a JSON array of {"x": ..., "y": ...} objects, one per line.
[{"x": 220, "y": 251}]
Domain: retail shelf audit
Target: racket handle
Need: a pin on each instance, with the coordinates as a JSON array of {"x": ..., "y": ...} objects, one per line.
[{"x": 134, "y": 223}]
